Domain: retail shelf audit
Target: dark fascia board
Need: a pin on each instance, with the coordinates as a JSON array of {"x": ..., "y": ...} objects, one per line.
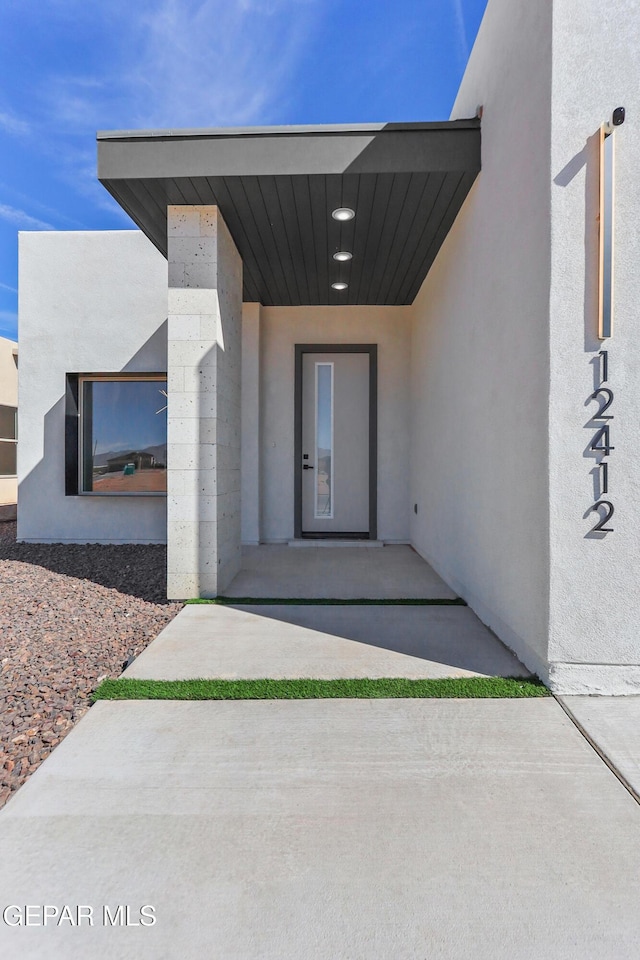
[
  {"x": 283, "y": 130},
  {"x": 450, "y": 146}
]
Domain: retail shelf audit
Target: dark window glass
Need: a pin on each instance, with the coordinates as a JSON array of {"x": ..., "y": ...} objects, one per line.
[
  {"x": 8, "y": 458},
  {"x": 124, "y": 436},
  {"x": 7, "y": 423}
]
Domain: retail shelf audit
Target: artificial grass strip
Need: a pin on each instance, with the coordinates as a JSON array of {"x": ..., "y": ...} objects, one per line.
[
  {"x": 128, "y": 688},
  {"x": 336, "y": 602}
]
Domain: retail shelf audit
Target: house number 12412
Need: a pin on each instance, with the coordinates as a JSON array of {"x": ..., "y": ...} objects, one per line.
[{"x": 601, "y": 446}]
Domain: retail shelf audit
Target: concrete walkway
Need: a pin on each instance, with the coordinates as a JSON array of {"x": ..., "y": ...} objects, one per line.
[
  {"x": 325, "y": 642},
  {"x": 377, "y": 573},
  {"x": 291, "y": 640},
  {"x": 367, "y": 830},
  {"x": 612, "y": 724}
]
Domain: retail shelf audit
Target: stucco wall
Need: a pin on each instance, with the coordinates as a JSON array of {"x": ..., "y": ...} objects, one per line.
[
  {"x": 250, "y": 420},
  {"x": 281, "y": 329},
  {"x": 89, "y": 302},
  {"x": 594, "y": 641},
  {"x": 8, "y": 397},
  {"x": 479, "y": 348}
]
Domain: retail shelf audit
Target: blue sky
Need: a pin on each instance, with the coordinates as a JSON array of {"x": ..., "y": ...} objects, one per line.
[
  {"x": 71, "y": 67},
  {"x": 125, "y": 416}
]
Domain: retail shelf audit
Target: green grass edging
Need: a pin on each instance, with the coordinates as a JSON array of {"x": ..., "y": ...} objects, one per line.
[
  {"x": 337, "y": 602},
  {"x": 128, "y": 688}
]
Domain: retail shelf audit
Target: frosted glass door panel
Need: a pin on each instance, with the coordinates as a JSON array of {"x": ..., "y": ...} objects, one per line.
[{"x": 324, "y": 440}]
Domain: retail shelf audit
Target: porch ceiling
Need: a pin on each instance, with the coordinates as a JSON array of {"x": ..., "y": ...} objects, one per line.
[{"x": 277, "y": 187}]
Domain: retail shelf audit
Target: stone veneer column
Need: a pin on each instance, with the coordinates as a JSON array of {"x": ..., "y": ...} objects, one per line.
[{"x": 204, "y": 360}]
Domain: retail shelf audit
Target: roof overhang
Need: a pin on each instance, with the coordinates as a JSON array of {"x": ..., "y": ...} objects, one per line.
[{"x": 277, "y": 186}]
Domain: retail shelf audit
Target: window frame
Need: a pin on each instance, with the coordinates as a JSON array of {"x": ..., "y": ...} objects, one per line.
[
  {"x": 76, "y": 382},
  {"x": 13, "y": 440}
]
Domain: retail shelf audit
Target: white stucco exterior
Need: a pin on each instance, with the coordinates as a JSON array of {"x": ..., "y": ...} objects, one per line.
[
  {"x": 89, "y": 303},
  {"x": 504, "y": 345},
  {"x": 250, "y": 434},
  {"x": 594, "y": 601},
  {"x": 479, "y": 350},
  {"x": 9, "y": 398}
]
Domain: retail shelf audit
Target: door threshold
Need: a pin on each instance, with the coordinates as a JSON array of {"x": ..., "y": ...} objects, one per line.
[{"x": 317, "y": 542}]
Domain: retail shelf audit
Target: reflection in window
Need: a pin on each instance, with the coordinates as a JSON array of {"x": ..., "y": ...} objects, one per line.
[
  {"x": 324, "y": 440},
  {"x": 123, "y": 436},
  {"x": 8, "y": 445}
]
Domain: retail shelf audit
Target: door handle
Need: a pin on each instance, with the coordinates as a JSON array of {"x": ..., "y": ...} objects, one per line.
[{"x": 307, "y": 466}]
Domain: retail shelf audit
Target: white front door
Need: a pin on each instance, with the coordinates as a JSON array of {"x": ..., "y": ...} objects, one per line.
[{"x": 335, "y": 444}]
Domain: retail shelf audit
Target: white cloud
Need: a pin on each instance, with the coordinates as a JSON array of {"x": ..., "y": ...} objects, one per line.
[
  {"x": 5, "y": 286},
  {"x": 13, "y": 125},
  {"x": 22, "y": 219},
  {"x": 170, "y": 64},
  {"x": 16, "y": 196},
  {"x": 184, "y": 63},
  {"x": 74, "y": 102},
  {"x": 461, "y": 29},
  {"x": 77, "y": 168}
]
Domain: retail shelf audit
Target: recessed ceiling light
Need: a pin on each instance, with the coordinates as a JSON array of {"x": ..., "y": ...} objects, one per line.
[
  {"x": 342, "y": 255},
  {"x": 343, "y": 213},
  {"x": 340, "y": 285}
]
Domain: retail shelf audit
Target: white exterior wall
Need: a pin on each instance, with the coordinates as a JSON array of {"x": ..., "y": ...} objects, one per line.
[
  {"x": 251, "y": 453},
  {"x": 594, "y": 643},
  {"x": 89, "y": 302},
  {"x": 504, "y": 340},
  {"x": 280, "y": 329},
  {"x": 9, "y": 398},
  {"x": 480, "y": 343}
]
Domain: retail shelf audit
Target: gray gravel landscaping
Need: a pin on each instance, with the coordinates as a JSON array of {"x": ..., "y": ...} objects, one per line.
[{"x": 70, "y": 615}]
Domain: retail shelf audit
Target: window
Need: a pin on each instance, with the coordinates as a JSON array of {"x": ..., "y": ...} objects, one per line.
[
  {"x": 122, "y": 435},
  {"x": 324, "y": 441},
  {"x": 8, "y": 438}
]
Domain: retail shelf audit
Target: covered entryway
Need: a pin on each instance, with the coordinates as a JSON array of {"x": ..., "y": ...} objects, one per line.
[
  {"x": 318, "y": 570},
  {"x": 318, "y": 237}
]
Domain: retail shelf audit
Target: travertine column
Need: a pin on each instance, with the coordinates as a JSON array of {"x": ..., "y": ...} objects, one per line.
[{"x": 204, "y": 358}]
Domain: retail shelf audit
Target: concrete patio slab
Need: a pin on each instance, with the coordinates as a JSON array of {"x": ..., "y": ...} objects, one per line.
[
  {"x": 278, "y": 570},
  {"x": 613, "y": 725},
  {"x": 324, "y": 642},
  {"x": 329, "y": 830}
]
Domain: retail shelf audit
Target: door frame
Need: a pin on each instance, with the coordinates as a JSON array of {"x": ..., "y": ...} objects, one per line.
[{"x": 372, "y": 350}]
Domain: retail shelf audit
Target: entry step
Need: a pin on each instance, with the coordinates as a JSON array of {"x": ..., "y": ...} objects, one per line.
[{"x": 336, "y": 543}]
